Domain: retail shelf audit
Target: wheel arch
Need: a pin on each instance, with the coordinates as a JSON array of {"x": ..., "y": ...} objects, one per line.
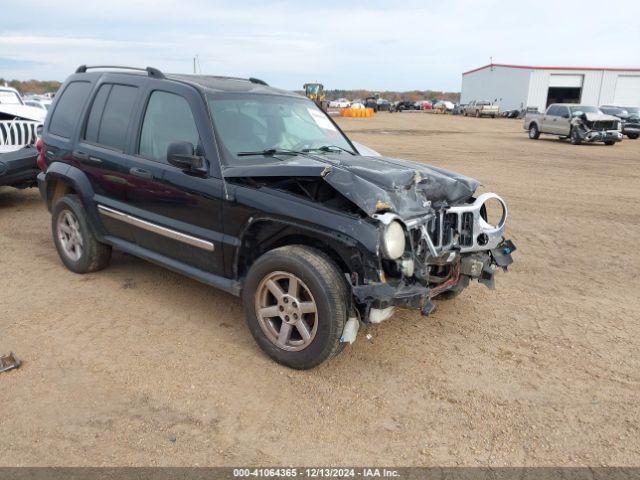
[
  {"x": 63, "y": 179},
  {"x": 267, "y": 234}
]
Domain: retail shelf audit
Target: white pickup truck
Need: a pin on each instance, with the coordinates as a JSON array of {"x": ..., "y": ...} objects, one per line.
[{"x": 579, "y": 123}]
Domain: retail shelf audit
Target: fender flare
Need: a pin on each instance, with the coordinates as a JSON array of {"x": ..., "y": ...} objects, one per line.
[{"x": 76, "y": 179}]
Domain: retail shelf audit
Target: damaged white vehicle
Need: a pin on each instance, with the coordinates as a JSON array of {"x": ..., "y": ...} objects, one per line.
[{"x": 19, "y": 124}]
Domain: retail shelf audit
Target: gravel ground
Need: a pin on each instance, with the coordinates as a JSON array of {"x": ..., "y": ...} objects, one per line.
[{"x": 136, "y": 365}]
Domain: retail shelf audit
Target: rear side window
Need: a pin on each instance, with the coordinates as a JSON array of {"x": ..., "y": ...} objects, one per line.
[
  {"x": 68, "y": 109},
  {"x": 168, "y": 119},
  {"x": 110, "y": 115}
]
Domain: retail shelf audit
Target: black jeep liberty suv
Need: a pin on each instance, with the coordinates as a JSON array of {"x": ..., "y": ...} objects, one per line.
[{"x": 258, "y": 192}]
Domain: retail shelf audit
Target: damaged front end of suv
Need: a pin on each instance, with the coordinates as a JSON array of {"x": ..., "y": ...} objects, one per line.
[
  {"x": 435, "y": 236},
  {"x": 418, "y": 229}
]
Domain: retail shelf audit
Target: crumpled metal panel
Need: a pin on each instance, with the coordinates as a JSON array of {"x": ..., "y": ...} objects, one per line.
[{"x": 374, "y": 184}]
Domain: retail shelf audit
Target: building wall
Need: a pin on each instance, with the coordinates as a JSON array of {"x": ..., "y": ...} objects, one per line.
[
  {"x": 509, "y": 86},
  {"x": 524, "y": 87}
]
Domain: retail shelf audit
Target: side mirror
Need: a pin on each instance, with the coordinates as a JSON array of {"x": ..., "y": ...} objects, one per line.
[{"x": 182, "y": 155}]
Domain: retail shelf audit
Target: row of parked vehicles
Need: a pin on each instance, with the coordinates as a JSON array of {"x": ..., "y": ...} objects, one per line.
[
  {"x": 258, "y": 192},
  {"x": 384, "y": 105},
  {"x": 585, "y": 123}
]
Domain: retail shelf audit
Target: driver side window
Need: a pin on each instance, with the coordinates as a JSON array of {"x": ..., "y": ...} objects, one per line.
[{"x": 168, "y": 119}]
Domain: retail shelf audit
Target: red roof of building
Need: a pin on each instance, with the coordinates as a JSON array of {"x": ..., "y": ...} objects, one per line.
[{"x": 538, "y": 67}]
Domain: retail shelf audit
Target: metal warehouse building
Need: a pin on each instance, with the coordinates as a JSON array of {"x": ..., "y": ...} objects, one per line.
[{"x": 520, "y": 86}]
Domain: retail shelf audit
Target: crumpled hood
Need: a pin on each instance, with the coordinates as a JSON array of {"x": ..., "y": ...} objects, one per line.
[
  {"x": 24, "y": 111},
  {"x": 375, "y": 184},
  {"x": 600, "y": 117}
]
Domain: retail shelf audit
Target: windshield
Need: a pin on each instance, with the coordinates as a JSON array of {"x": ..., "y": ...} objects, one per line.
[
  {"x": 633, "y": 110},
  {"x": 584, "y": 109},
  {"x": 7, "y": 97},
  {"x": 312, "y": 88},
  {"x": 247, "y": 123},
  {"x": 613, "y": 111}
]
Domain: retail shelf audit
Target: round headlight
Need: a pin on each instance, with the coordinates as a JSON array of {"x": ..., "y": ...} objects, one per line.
[{"x": 393, "y": 241}]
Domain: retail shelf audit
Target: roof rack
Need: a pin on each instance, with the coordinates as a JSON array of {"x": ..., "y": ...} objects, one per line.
[
  {"x": 152, "y": 72},
  {"x": 258, "y": 81}
]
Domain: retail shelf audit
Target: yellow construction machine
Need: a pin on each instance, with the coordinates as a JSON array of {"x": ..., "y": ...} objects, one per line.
[{"x": 315, "y": 92}]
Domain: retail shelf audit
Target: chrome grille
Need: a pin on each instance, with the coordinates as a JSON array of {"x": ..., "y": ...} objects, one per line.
[
  {"x": 18, "y": 132},
  {"x": 604, "y": 125}
]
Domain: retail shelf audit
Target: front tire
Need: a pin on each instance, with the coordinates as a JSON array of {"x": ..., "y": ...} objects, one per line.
[
  {"x": 77, "y": 246},
  {"x": 633, "y": 136},
  {"x": 574, "y": 137},
  {"x": 609, "y": 143},
  {"x": 295, "y": 303}
]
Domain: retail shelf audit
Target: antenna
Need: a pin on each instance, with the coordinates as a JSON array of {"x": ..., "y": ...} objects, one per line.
[{"x": 196, "y": 65}]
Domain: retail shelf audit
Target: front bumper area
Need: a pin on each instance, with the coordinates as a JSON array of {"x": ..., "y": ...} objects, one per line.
[
  {"x": 18, "y": 167},
  {"x": 633, "y": 129},
  {"x": 602, "y": 136},
  {"x": 378, "y": 297}
]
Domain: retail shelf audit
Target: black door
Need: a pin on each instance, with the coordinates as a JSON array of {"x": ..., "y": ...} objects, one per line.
[
  {"x": 100, "y": 151},
  {"x": 175, "y": 213}
]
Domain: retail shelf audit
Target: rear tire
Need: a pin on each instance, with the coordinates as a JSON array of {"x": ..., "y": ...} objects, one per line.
[
  {"x": 77, "y": 246},
  {"x": 534, "y": 133},
  {"x": 298, "y": 326}
]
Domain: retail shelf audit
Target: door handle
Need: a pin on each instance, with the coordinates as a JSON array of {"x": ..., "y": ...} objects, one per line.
[
  {"x": 84, "y": 157},
  {"x": 140, "y": 172},
  {"x": 81, "y": 156}
]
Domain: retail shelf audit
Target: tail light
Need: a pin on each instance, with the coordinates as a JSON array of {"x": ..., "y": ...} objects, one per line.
[{"x": 40, "y": 148}]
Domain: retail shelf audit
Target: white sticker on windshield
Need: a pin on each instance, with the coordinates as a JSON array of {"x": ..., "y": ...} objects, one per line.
[{"x": 321, "y": 120}]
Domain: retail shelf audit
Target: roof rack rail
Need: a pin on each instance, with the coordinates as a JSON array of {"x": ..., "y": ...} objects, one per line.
[
  {"x": 258, "y": 81},
  {"x": 152, "y": 72}
]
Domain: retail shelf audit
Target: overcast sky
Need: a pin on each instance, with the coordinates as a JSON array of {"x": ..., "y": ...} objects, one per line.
[{"x": 392, "y": 45}]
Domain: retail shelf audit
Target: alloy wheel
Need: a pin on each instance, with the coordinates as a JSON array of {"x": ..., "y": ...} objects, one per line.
[
  {"x": 286, "y": 310},
  {"x": 70, "y": 236}
]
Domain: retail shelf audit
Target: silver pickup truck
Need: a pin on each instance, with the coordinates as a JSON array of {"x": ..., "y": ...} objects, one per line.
[
  {"x": 482, "y": 108},
  {"x": 579, "y": 123}
]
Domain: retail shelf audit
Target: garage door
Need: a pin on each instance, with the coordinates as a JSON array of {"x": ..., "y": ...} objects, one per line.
[
  {"x": 628, "y": 91},
  {"x": 574, "y": 81}
]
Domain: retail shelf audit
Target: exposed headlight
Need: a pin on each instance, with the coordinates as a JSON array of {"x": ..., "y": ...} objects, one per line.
[{"x": 393, "y": 241}]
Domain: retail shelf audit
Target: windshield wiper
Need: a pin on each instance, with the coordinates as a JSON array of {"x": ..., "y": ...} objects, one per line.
[
  {"x": 269, "y": 152},
  {"x": 329, "y": 149}
]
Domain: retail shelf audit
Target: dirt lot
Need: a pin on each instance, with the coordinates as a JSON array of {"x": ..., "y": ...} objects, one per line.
[{"x": 135, "y": 365}]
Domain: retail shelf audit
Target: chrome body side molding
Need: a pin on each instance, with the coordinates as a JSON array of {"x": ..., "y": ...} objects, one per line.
[{"x": 152, "y": 227}]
